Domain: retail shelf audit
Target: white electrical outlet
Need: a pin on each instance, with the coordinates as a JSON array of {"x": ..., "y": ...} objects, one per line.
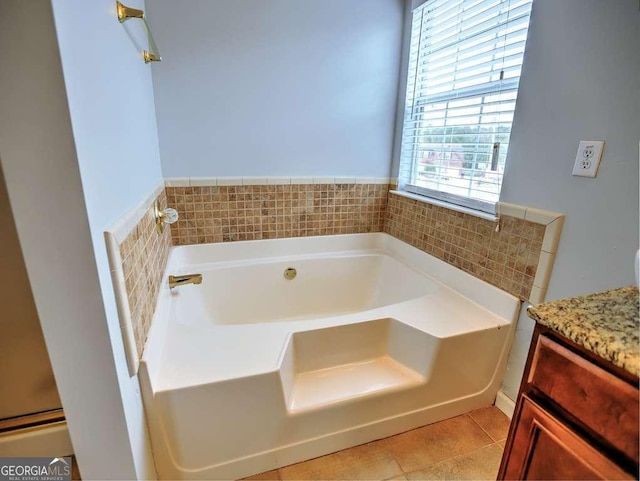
[{"x": 588, "y": 158}]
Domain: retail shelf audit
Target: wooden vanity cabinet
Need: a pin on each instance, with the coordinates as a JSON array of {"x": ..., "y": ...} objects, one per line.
[{"x": 576, "y": 416}]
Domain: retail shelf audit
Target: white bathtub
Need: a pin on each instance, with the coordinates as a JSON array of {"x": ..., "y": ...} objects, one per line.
[{"x": 250, "y": 371}]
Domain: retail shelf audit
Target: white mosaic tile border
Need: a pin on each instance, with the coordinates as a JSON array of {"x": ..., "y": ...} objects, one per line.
[
  {"x": 224, "y": 181},
  {"x": 122, "y": 303}
]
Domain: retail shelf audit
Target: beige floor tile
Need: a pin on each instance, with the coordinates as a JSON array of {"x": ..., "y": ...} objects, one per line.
[
  {"x": 502, "y": 443},
  {"x": 369, "y": 461},
  {"x": 273, "y": 475},
  {"x": 398, "y": 478},
  {"x": 480, "y": 464},
  {"x": 437, "y": 442},
  {"x": 493, "y": 421}
]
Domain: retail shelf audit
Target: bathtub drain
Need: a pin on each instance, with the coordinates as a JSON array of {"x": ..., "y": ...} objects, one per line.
[{"x": 290, "y": 273}]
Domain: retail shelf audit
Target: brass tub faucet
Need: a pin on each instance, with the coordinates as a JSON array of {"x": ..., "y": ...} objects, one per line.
[{"x": 175, "y": 281}]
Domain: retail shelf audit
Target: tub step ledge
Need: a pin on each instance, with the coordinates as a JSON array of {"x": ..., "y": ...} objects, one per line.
[
  {"x": 323, "y": 387},
  {"x": 328, "y": 366}
]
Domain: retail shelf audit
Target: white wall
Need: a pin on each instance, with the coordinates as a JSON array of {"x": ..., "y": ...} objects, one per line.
[
  {"x": 580, "y": 81},
  {"x": 39, "y": 160},
  {"x": 110, "y": 96},
  {"x": 276, "y": 87}
]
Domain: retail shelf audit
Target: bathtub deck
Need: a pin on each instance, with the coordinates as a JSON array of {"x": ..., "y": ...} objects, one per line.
[
  {"x": 221, "y": 352},
  {"x": 315, "y": 389}
]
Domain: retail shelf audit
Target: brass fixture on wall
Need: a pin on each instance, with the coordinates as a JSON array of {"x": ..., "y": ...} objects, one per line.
[
  {"x": 126, "y": 13},
  {"x": 163, "y": 216},
  {"x": 150, "y": 57},
  {"x": 176, "y": 281}
]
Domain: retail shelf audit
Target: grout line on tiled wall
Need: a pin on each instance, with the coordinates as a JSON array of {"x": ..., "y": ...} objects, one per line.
[
  {"x": 144, "y": 256},
  {"x": 230, "y": 213},
  {"x": 507, "y": 259}
]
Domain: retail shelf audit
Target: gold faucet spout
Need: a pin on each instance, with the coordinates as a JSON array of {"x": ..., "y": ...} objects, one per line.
[{"x": 175, "y": 281}]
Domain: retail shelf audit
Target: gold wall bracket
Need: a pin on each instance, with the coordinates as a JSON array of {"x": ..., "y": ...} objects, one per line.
[
  {"x": 159, "y": 216},
  {"x": 163, "y": 217},
  {"x": 126, "y": 13},
  {"x": 150, "y": 57}
]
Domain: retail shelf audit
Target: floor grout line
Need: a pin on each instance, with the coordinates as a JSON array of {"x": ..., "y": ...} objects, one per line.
[
  {"x": 393, "y": 455},
  {"x": 384, "y": 444},
  {"x": 446, "y": 459},
  {"x": 484, "y": 430},
  {"x": 454, "y": 457}
]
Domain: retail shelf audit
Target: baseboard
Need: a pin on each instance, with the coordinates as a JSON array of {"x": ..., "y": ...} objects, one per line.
[
  {"x": 47, "y": 440},
  {"x": 505, "y": 404}
]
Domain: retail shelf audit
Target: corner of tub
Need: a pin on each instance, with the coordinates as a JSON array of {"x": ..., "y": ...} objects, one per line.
[{"x": 154, "y": 347}]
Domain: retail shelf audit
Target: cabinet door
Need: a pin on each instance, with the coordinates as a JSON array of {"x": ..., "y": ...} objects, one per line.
[
  {"x": 602, "y": 402},
  {"x": 545, "y": 448}
]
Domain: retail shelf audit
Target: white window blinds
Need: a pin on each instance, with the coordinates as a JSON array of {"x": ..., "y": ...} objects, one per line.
[{"x": 464, "y": 69}]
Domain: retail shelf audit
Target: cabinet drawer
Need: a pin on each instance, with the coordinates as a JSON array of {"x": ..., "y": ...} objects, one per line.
[
  {"x": 598, "y": 399},
  {"x": 546, "y": 449}
]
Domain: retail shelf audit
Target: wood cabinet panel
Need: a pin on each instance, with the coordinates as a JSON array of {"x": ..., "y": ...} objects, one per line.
[
  {"x": 602, "y": 402},
  {"x": 577, "y": 416},
  {"x": 545, "y": 449}
]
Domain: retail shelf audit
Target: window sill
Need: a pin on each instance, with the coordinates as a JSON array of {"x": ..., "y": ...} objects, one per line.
[{"x": 446, "y": 205}]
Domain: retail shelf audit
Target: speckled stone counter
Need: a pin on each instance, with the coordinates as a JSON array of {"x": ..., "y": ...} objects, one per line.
[{"x": 606, "y": 323}]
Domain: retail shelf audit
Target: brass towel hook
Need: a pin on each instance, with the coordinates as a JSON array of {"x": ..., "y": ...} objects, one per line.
[{"x": 126, "y": 13}]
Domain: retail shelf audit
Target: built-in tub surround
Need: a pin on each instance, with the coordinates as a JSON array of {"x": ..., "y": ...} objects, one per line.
[
  {"x": 214, "y": 211},
  {"x": 144, "y": 258},
  {"x": 250, "y": 370},
  {"x": 517, "y": 259},
  {"x": 137, "y": 257},
  {"x": 515, "y": 253}
]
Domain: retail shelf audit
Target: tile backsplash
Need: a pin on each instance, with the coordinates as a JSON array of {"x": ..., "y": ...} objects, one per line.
[
  {"x": 508, "y": 259},
  {"x": 144, "y": 256},
  {"x": 224, "y": 213}
]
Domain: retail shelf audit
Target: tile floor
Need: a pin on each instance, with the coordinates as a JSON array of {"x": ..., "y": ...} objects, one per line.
[{"x": 465, "y": 447}]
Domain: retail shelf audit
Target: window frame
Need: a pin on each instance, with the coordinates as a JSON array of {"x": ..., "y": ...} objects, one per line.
[{"x": 406, "y": 175}]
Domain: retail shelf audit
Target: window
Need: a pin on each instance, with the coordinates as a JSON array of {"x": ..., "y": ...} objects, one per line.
[{"x": 464, "y": 68}]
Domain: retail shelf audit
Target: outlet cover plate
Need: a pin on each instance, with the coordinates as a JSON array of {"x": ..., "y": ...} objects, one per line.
[{"x": 588, "y": 158}]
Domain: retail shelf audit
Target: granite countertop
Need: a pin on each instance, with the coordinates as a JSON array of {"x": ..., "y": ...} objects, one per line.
[{"x": 606, "y": 323}]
